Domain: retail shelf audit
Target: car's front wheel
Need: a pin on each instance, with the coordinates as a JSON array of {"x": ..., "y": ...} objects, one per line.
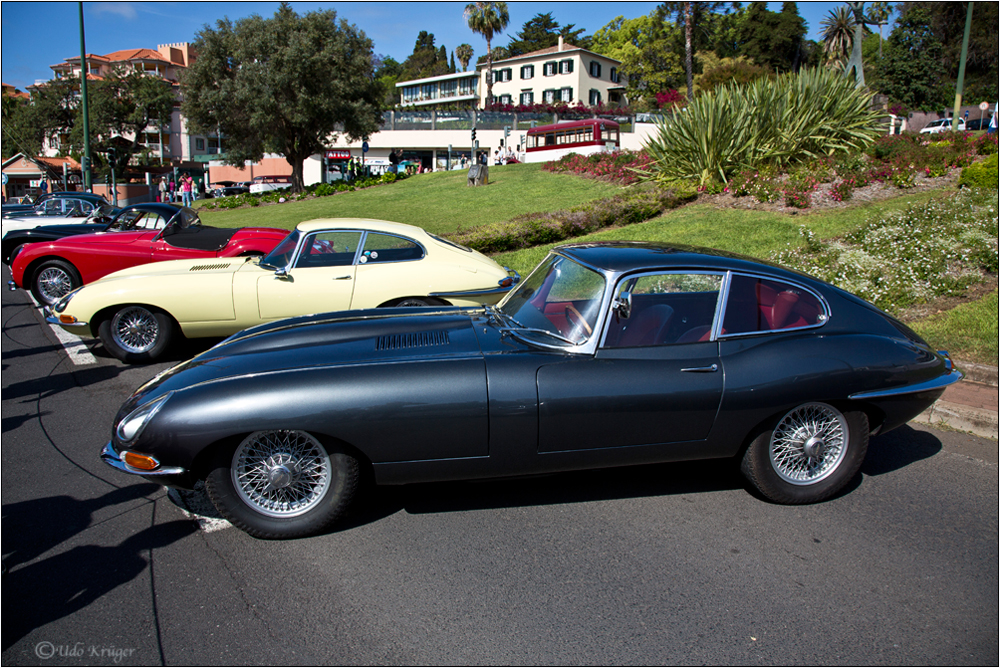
[
  {"x": 54, "y": 280},
  {"x": 136, "y": 333},
  {"x": 282, "y": 484},
  {"x": 809, "y": 455}
]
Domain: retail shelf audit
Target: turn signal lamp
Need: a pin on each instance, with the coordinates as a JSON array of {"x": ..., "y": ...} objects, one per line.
[
  {"x": 141, "y": 462},
  {"x": 507, "y": 282},
  {"x": 67, "y": 319}
]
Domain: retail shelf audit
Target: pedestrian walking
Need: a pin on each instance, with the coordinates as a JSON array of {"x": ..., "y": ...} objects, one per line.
[{"x": 164, "y": 189}]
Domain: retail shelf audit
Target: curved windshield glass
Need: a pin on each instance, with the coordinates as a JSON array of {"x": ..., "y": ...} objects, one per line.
[
  {"x": 282, "y": 253},
  {"x": 560, "y": 298}
]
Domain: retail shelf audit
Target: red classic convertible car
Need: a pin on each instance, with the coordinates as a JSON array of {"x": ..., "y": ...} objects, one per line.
[{"x": 140, "y": 234}]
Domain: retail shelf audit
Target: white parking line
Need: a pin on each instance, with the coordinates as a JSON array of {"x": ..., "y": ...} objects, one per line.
[{"x": 76, "y": 349}]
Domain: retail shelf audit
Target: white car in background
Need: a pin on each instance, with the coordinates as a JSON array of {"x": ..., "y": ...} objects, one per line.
[
  {"x": 942, "y": 125},
  {"x": 262, "y": 184}
]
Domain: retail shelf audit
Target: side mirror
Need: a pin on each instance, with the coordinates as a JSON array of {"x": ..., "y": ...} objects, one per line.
[
  {"x": 623, "y": 305},
  {"x": 282, "y": 273}
]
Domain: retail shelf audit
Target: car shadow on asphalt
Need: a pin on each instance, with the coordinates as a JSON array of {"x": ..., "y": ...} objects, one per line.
[
  {"x": 377, "y": 502},
  {"x": 898, "y": 449}
]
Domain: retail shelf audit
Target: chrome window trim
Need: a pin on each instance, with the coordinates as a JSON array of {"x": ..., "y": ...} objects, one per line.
[
  {"x": 826, "y": 315},
  {"x": 721, "y": 273},
  {"x": 364, "y": 240},
  {"x": 293, "y": 264}
]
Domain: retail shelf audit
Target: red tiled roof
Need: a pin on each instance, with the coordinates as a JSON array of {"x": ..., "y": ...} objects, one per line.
[
  {"x": 58, "y": 162},
  {"x": 136, "y": 54}
]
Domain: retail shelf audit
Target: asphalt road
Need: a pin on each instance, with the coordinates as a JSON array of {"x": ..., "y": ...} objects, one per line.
[{"x": 658, "y": 565}]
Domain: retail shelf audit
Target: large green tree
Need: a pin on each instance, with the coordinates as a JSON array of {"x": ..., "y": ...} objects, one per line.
[
  {"x": 426, "y": 60},
  {"x": 21, "y": 130},
  {"x": 487, "y": 19},
  {"x": 645, "y": 47},
  {"x": 911, "y": 70},
  {"x": 123, "y": 106},
  {"x": 693, "y": 18},
  {"x": 284, "y": 84},
  {"x": 543, "y": 31},
  {"x": 773, "y": 39},
  {"x": 946, "y": 20}
]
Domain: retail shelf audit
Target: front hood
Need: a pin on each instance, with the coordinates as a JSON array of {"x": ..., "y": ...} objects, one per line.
[
  {"x": 344, "y": 338},
  {"x": 78, "y": 229},
  {"x": 164, "y": 270}
]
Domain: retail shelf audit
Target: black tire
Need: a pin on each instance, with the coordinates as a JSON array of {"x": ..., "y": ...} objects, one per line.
[
  {"x": 407, "y": 302},
  {"x": 808, "y": 455},
  {"x": 53, "y": 280},
  {"x": 136, "y": 333},
  {"x": 282, "y": 484}
]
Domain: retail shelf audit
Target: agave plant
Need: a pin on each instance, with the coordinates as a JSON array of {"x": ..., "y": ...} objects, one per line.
[{"x": 792, "y": 118}]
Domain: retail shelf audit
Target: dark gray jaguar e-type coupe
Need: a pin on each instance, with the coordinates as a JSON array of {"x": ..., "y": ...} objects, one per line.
[{"x": 606, "y": 355}]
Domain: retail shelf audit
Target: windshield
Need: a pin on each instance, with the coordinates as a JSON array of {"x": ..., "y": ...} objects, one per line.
[
  {"x": 560, "y": 297},
  {"x": 281, "y": 256}
]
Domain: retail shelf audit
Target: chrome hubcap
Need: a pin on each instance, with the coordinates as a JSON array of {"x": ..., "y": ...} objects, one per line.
[
  {"x": 809, "y": 443},
  {"x": 281, "y": 473},
  {"x": 135, "y": 329}
]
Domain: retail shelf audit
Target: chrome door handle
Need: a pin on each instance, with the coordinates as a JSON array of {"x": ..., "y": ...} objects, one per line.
[
  {"x": 343, "y": 278},
  {"x": 702, "y": 369}
]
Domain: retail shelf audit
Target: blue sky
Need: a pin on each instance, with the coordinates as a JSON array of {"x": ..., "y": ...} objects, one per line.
[{"x": 39, "y": 34}]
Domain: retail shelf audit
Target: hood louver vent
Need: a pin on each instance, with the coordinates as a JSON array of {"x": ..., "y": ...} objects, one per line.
[
  {"x": 418, "y": 340},
  {"x": 209, "y": 267}
]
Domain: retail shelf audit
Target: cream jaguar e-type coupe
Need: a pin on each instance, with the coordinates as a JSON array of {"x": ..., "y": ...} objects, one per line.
[{"x": 322, "y": 265}]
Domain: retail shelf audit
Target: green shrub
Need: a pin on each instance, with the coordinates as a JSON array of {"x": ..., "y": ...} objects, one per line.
[
  {"x": 534, "y": 229},
  {"x": 794, "y": 118},
  {"x": 983, "y": 174}
]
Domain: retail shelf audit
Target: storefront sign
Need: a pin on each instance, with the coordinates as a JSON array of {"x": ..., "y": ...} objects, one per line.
[{"x": 338, "y": 155}]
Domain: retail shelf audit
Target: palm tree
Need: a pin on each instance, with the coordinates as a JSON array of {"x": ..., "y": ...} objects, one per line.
[
  {"x": 838, "y": 35},
  {"x": 878, "y": 14},
  {"x": 487, "y": 19},
  {"x": 464, "y": 54}
]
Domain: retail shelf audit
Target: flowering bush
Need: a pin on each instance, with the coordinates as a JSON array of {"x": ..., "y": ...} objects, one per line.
[
  {"x": 908, "y": 257},
  {"x": 618, "y": 167}
]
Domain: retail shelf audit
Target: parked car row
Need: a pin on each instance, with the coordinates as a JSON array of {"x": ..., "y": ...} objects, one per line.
[{"x": 607, "y": 354}]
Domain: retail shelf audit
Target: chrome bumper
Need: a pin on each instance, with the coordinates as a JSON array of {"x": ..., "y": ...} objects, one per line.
[
  {"x": 53, "y": 319},
  {"x": 111, "y": 457}
]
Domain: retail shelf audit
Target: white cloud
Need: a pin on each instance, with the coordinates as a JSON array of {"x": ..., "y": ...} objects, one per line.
[{"x": 122, "y": 9}]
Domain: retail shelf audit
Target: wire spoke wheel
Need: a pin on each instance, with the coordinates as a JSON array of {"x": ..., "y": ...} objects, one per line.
[
  {"x": 809, "y": 444},
  {"x": 281, "y": 474},
  {"x": 135, "y": 329},
  {"x": 54, "y": 283}
]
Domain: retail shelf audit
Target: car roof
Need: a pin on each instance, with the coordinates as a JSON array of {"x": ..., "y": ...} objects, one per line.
[
  {"x": 361, "y": 223},
  {"x": 623, "y": 256}
]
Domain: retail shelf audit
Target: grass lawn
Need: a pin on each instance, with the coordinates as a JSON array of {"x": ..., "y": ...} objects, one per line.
[
  {"x": 750, "y": 232},
  {"x": 968, "y": 332},
  {"x": 439, "y": 202}
]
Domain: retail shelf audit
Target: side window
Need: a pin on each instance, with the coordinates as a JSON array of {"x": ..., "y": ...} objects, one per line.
[
  {"x": 666, "y": 309},
  {"x": 150, "y": 221},
  {"x": 329, "y": 249},
  {"x": 762, "y": 305},
  {"x": 595, "y": 69},
  {"x": 388, "y": 248}
]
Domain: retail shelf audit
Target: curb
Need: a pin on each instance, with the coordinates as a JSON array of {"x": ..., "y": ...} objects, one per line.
[{"x": 970, "y": 405}]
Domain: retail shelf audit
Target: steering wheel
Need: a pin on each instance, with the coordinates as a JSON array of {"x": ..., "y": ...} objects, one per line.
[{"x": 576, "y": 318}]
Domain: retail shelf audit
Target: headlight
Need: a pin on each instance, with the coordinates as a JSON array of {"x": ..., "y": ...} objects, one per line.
[
  {"x": 61, "y": 305},
  {"x": 131, "y": 427}
]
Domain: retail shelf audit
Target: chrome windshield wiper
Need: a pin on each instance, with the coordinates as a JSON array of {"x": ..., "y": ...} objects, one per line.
[{"x": 534, "y": 330}]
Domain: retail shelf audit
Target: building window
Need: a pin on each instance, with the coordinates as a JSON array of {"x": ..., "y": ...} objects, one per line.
[
  {"x": 550, "y": 96},
  {"x": 549, "y": 69},
  {"x": 199, "y": 144},
  {"x": 527, "y": 71},
  {"x": 595, "y": 69},
  {"x": 565, "y": 67},
  {"x": 614, "y": 74},
  {"x": 566, "y": 95},
  {"x": 595, "y": 97},
  {"x": 502, "y": 75},
  {"x": 504, "y": 99},
  {"x": 468, "y": 86},
  {"x": 527, "y": 97}
]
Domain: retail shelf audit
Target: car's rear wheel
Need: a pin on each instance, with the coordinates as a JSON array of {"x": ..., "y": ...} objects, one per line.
[
  {"x": 282, "y": 484},
  {"x": 54, "y": 280},
  {"x": 137, "y": 333},
  {"x": 809, "y": 455}
]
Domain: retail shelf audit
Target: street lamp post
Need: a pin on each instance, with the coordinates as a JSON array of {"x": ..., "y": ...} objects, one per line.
[{"x": 87, "y": 183}]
